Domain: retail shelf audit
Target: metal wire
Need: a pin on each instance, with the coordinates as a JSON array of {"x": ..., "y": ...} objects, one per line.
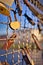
[
  {"x": 7, "y": 53},
  {"x": 18, "y": 62},
  {"x": 13, "y": 57},
  {"x": 7, "y": 39}
]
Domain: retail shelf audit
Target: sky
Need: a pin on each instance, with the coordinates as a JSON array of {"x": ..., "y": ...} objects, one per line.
[
  {"x": 22, "y": 19},
  {"x": 41, "y": 1}
]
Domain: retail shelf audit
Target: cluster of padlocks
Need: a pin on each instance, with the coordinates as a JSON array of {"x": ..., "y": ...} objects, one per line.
[{"x": 25, "y": 51}]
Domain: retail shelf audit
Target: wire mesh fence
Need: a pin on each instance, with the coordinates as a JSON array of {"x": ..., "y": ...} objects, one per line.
[{"x": 14, "y": 56}]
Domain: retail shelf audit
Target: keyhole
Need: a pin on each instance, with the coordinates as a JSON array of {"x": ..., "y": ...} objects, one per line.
[{"x": 1, "y": 9}]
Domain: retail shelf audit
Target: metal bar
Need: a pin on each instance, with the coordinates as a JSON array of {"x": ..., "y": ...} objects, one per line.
[
  {"x": 3, "y": 39},
  {"x": 37, "y": 11},
  {"x": 4, "y": 23},
  {"x": 6, "y": 39}
]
